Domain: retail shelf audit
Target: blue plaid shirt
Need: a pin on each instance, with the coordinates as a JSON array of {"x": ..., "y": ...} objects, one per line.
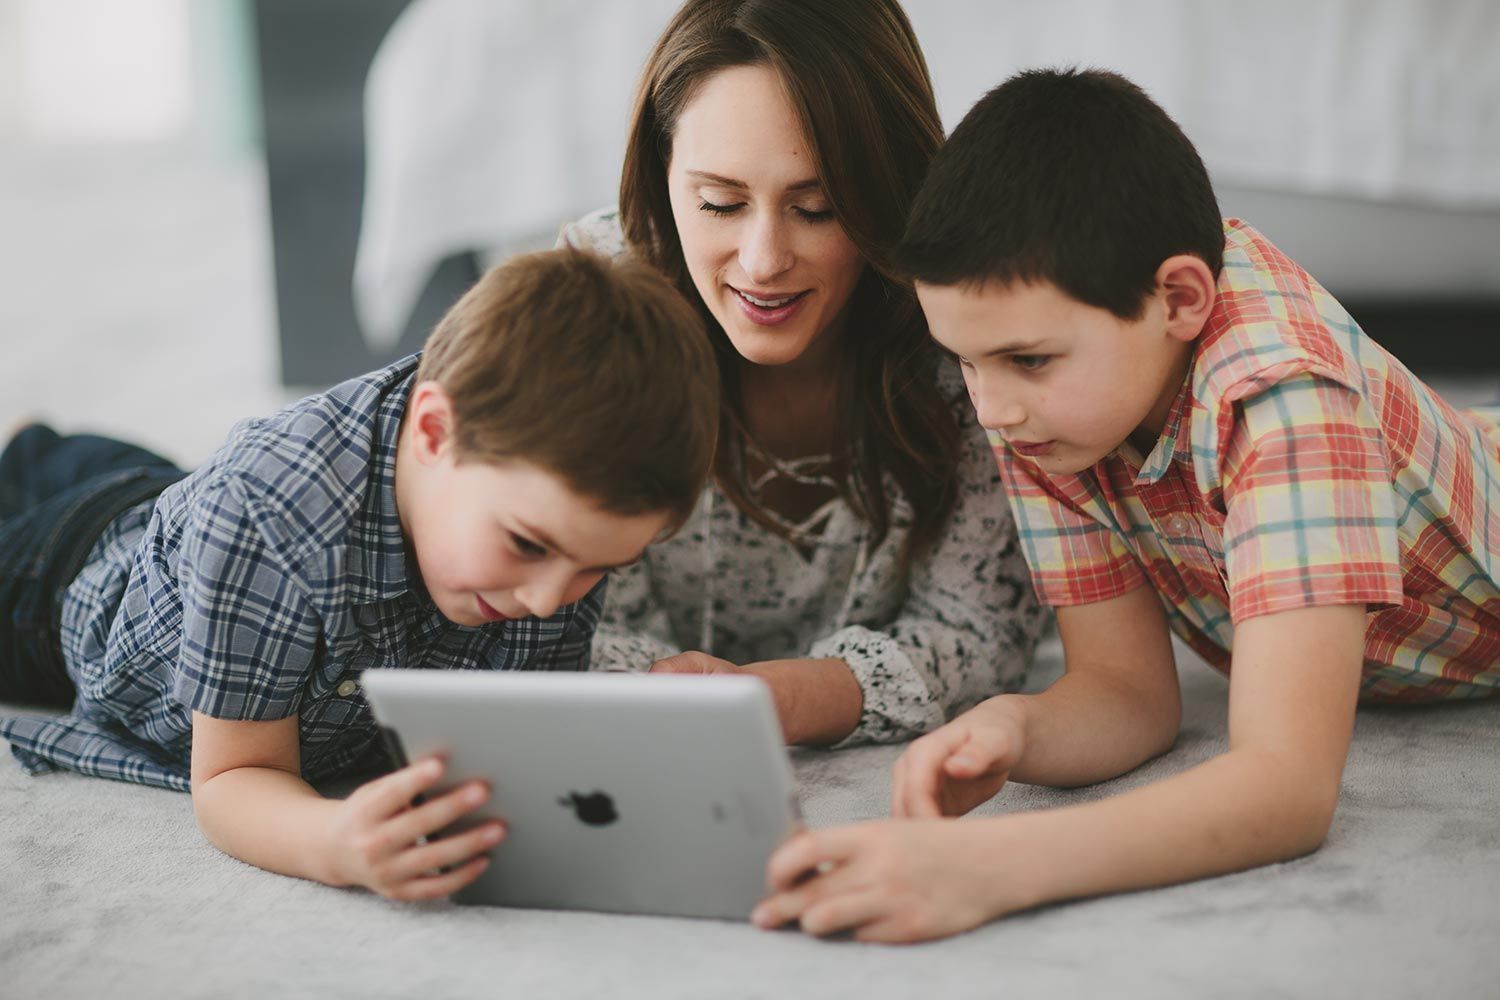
[{"x": 259, "y": 588}]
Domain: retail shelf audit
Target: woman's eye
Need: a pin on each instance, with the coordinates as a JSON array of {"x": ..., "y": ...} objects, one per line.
[
  {"x": 1029, "y": 362},
  {"x": 527, "y": 547},
  {"x": 812, "y": 215},
  {"x": 716, "y": 209},
  {"x": 964, "y": 362}
]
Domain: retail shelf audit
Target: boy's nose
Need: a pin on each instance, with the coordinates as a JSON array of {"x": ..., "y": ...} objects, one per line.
[
  {"x": 998, "y": 413},
  {"x": 542, "y": 596}
]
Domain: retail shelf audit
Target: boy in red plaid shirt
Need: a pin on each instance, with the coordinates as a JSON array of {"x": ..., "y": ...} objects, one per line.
[{"x": 1195, "y": 437}]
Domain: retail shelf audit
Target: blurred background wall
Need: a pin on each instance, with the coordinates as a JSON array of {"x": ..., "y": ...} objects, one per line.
[
  {"x": 135, "y": 267},
  {"x": 209, "y": 207}
]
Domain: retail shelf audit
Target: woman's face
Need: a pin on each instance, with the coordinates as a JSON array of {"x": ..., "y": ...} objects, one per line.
[{"x": 758, "y": 233}]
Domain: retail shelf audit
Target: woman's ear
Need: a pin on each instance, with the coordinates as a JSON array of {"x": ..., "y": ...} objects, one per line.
[
  {"x": 1190, "y": 293},
  {"x": 430, "y": 412}
]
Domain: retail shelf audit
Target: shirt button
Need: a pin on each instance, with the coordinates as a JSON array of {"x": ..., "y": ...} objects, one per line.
[
  {"x": 347, "y": 688},
  {"x": 1177, "y": 524}
]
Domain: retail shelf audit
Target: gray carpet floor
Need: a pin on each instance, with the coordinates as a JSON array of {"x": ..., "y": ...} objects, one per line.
[{"x": 108, "y": 889}]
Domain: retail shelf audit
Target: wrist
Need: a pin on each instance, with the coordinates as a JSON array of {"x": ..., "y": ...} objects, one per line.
[
  {"x": 1005, "y": 886},
  {"x": 330, "y": 857},
  {"x": 819, "y": 702},
  {"x": 1010, "y": 712}
]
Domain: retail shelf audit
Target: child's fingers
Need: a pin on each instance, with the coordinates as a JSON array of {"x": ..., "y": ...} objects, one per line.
[
  {"x": 393, "y": 793},
  {"x": 984, "y": 752},
  {"x": 844, "y": 911},
  {"x": 444, "y": 852},
  {"x": 805, "y": 853},
  {"x": 438, "y": 886},
  {"x": 915, "y": 782},
  {"x": 892, "y": 928},
  {"x": 428, "y": 818},
  {"x": 826, "y": 881}
]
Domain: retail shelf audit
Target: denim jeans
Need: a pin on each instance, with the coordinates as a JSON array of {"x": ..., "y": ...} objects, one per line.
[{"x": 57, "y": 495}]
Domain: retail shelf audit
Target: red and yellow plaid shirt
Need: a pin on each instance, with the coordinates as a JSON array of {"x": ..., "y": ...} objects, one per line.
[{"x": 1301, "y": 465}]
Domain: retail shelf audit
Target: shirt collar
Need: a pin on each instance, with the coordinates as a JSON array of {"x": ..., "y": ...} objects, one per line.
[{"x": 1174, "y": 441}]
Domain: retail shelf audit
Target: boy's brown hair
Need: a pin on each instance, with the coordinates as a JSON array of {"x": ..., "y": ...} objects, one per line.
[{"x": 595, "y": 370}]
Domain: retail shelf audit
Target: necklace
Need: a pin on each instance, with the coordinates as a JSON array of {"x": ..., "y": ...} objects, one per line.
[{"x": 809, "y": 470}]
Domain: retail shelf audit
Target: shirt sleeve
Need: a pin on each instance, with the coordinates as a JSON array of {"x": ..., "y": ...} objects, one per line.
[
  {"x": 1076, "y": 551},
  {"x": 1310, "y": 509},
  {"x": 249, "y": 633},
  {"x": 634, "y": 631},
  {"x": 968, "y": 626},
  {"x": 598, "y": 231}
]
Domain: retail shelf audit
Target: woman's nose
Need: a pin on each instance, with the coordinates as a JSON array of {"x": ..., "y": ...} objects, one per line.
[{"x": 766, "y": 252}]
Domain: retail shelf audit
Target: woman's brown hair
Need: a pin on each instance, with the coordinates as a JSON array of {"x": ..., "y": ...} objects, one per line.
[{"x": 859, "y": 84}]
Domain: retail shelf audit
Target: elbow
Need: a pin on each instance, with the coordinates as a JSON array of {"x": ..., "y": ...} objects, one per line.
[
  {"x": 1302, "y": 815},
  {"x": 1307, "y": 828},
  {"x": 1160, "y": 713},
  {"x": 203, "y": 810},
  {"x": 1167, "y": 725}
]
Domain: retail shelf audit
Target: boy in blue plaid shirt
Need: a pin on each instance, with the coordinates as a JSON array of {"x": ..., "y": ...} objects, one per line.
[{"x": 456, "y": 510}]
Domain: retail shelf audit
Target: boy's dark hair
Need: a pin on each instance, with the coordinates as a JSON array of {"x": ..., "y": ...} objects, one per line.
[
  {"x": 1073, "y": 177},
  {"x": 595, "y": 370}
]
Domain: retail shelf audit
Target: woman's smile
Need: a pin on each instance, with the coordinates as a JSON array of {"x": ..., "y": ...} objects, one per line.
[{"x": 769, "y": 309}]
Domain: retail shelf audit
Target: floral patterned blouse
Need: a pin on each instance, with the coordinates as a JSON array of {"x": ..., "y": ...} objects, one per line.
[{"x": 960, "y": 628}]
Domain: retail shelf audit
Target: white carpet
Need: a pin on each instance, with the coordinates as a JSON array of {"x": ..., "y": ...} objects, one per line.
[{"x": 108, "y": 890}]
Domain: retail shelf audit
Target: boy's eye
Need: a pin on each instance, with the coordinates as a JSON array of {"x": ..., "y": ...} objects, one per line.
[
  {"x": 715, "y": 209},
  {"x": 526, "y": 546},
  {"x": 815, "y": 215},
  {"x": 1029, "y": 362}
]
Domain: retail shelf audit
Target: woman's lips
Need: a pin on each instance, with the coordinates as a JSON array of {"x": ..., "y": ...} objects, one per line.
[
  {"x": 1031, "y": 448},
  {"x": 768, "y": 310},
  {"x": 489, "y": 613}
]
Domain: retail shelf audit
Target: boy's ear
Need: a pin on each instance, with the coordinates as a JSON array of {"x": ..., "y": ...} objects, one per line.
[
  {"x": 430, "y": 411},
  {"x": 1189, "y": 290}
]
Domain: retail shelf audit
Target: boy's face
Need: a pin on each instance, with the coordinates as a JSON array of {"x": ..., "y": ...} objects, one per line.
[
  {"x": 501, "y": 541},
  {"x": 1064, "y": 383}
]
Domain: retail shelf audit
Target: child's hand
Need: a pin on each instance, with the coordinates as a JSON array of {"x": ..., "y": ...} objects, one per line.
[
  {"x": 896, "y": 880},
  {"x": 953, "y": 769},
  {"x": 693, "y": 662},
  {"x": 377, "y": 838}
]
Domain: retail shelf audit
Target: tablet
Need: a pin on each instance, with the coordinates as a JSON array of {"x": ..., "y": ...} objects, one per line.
[{"x": 629, "y": 793}]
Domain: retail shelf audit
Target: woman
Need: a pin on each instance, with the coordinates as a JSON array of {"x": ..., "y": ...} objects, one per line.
[{"x": 854, "y": 549}]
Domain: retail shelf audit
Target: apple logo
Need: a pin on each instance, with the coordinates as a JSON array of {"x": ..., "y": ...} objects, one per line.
[{"x": 595, "y": 808}]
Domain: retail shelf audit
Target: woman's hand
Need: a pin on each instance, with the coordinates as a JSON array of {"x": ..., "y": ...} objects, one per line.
[
  {"x": 378, "y": 839},
  {"x": 817, "y": 701},
  {"x": 693, "y": 662},
  {"x": 953, "y": 769}
]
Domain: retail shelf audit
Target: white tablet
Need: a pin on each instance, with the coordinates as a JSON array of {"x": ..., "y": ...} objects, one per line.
[{"x": 661, "y": 794}]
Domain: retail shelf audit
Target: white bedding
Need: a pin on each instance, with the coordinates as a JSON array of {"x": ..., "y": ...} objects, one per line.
[{"x": 491, "y": 122}]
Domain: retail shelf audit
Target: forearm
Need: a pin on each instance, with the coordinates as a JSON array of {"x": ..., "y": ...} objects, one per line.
[
  {"x": 1239, "y": 810},
  {"x": 1087, "y": 727},
  {"x": 268, "y": 818},
  {"x": 818, "y": 701}
]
